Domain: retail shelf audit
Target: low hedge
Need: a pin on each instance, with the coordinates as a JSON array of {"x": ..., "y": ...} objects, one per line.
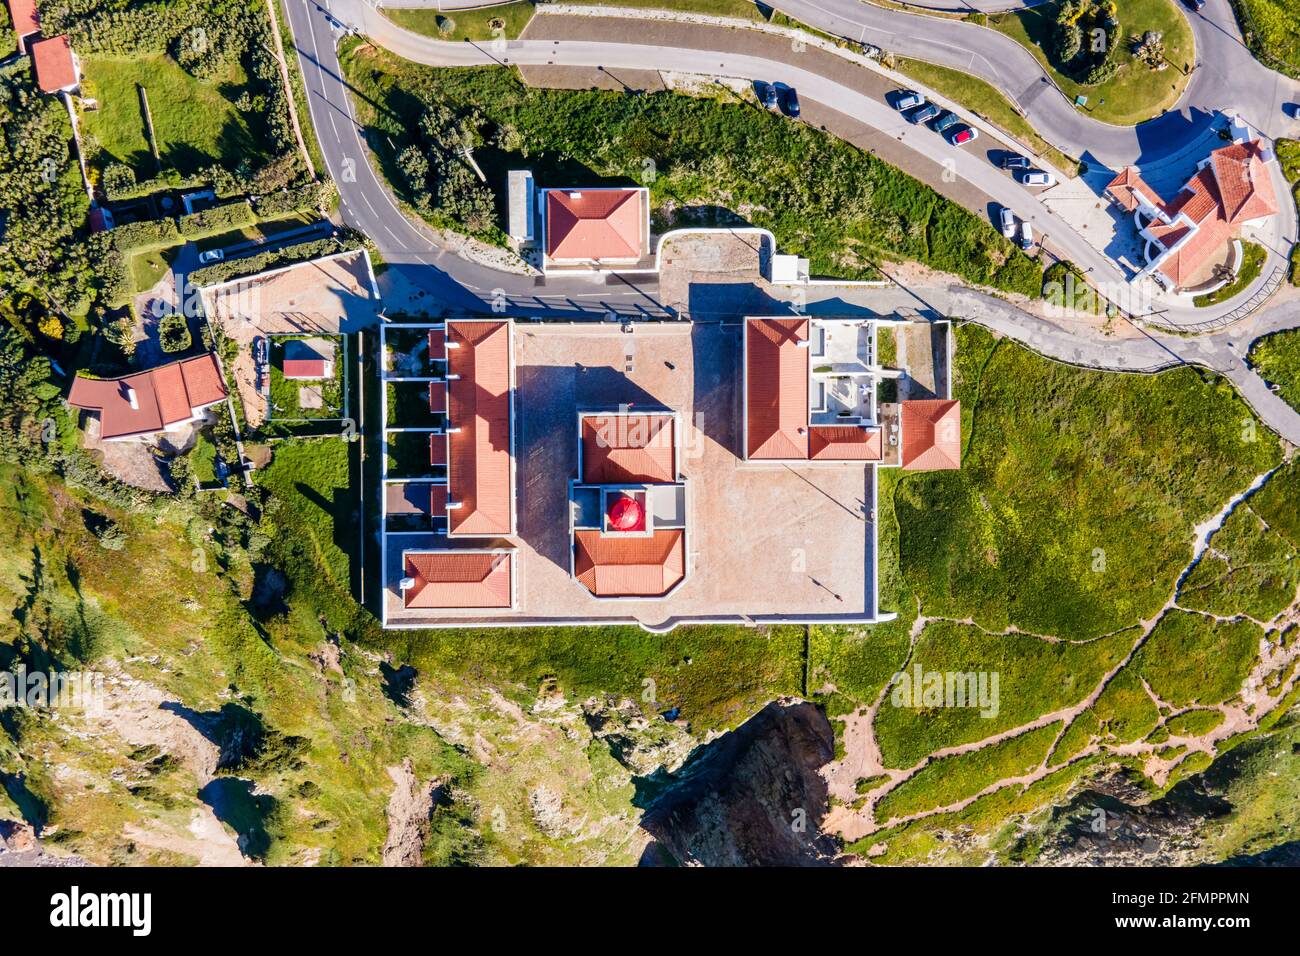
[
  {"x": 273, "y": 259},
  {"x": 216, "y": 220}
]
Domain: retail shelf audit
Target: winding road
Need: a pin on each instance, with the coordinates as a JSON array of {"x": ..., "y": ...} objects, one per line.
[{"x": 460, "y": 283}]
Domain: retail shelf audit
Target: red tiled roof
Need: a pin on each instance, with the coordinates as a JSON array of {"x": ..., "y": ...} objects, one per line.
[
  {"x": 304, "y": 368},
  {"x": 479, "y": 468},
  {"x": 25, "y": 20},
  {"x": 1126, "y": 183},
  {"x": 1244, "y": 182},
  {"x": 931, "y": 435},
  {"x": 776, "y": 388},
  {"x": 164, "y": 396},
  {"x": 437, "y": 344},
  {"x": 628, "y": 448},
  {"x": 456, "y": 579},
  {"x": 844, "y": 442},
  {"x": 437, "y": 449},
  {"x": 594, "y": 223},
  {"x": 1190, "y": 254},
  {"x": 1199, "y": 198},
  {"x": 56, "y": 69},
  {"x": 615, "y": 566},
  {"x": 438, "y": 397}
]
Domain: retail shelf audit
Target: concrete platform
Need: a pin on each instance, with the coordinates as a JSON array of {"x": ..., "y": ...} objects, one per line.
[{"x": 766, "y": 543}]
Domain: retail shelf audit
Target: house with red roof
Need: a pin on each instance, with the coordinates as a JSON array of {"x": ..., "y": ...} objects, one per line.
[
  {"x": 459, "y": 579},
  {"x": 308, "y": 359},
  {"x": 145, "y": 404},
  {"x": 26, "y": 21},
  {"x": 57, "y": 68},
  {"x": 1189, "y": 235},
  {"x": 594, "y": 228},
  {"x": 811, "y": 395},
  {"x": 628, "y": 514}
]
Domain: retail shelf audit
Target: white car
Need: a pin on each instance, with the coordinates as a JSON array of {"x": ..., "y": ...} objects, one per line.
[
  {"x": 212, "y": 255},
  {"x": 1007, "y": 220},
  {"x": 1026, "y": 236},
  {"x": 1037, "y": 177},
  {"x": 907, "y": 99}
]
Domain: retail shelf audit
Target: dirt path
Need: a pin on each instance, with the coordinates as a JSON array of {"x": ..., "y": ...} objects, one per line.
[{"x": 852, "y": 816}]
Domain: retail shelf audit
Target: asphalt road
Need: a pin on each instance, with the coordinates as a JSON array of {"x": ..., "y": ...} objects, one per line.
[{"x": 423, "y": 260}]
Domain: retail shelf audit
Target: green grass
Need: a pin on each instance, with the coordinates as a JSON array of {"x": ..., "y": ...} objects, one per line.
[
  {"x": 1072, "y": 512},
  {"x": 148, "y": 267},
  {"x": 1194, "y": 723},
  {"x": 196, "y": 121},
  {"x": 740, "y": 9},
  {"x": 1252, "y": 262},
  {"x": 1034, "y": 677},
  {"x": 203, "y": 460},
  {"x": 310, "y": 478},
  {"x": 987, "y": 101},
  {"x": 509, "y": 18},
  {"x": 1065, "y": 287},
  {"x": 715, "y": 163},
  {"x": 1277, "y": 358},
  {"x": 1272, "y": 30},
  {"x": 1249, "y": 569},
  {"x": 1135, "y": 93},
  {"x": 1193, "y": 659},
  {"x": 1275, "y": 502},
  {"x": 951, "y": 779}
]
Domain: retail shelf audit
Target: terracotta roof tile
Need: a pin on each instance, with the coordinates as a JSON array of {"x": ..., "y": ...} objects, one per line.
[
  {"x": 844, "y": 443},
  {"x": 931, "y": 435},
  {"x": 1126, "y": 183},
  {"x": 457, "y": 579},
  {"x": 164, "y": 396},
  {"x": 776, "y": 388},
  {"x": 595, "y": 223},
  {"x": 628, "y": 448},
  {"x": 56, "y": 68},
  {"x": 617, "y": 566},
  {"x": 25, "y": 19},
  {"x": 479, "y": 468}
]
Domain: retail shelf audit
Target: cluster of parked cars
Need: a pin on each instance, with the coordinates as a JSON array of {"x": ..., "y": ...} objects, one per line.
[
  {"x": 1008, "y": 222},
  {"x": 917, "y": 110},
  {"x": 1024, "y": 170},
  {"x": 778, "y": 97}
]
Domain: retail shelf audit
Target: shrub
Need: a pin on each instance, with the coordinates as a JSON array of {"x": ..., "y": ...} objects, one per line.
[
  {"x": 174, "y": 333},
  {"x": 110, "y": 534},
  {"x": 216, "y": 220}
]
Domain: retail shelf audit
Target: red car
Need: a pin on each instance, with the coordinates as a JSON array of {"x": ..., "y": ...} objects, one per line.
[{"x": 962, "y": 135}]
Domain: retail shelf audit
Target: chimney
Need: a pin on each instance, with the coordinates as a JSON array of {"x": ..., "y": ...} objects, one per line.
[{"x": 132, "y": 398}]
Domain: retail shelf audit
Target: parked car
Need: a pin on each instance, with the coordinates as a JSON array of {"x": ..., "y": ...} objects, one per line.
[
  {"x": 766, "y": 94},
  {"x": 924, "y": 114},
  {"x": 1026, "y": 236},
  {"x": 1196, "y": 5},
  {"x": 1291, "y": 109},
  {"x": 907, "y": 99},
  {"x": 1007, "y": 219},
  {"x": 212, "y": 255},
  {"x": 961, "y": 135},
  {"x": 1037, "y": 177},
  {"x": 1014, "y": 161},
  {"x": 946, "y": 122},
  {"x": 791, "y": 103}
]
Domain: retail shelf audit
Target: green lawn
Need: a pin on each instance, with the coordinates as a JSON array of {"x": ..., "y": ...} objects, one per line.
[
  {"x": 196, "y": 121},
  {"x": 987, "y": 101},
  {"x": 1277, "y": 358},
  {"x": 1253, "y": 256},
  {"x": 1073, "y": 508},
  {"x": 148, "y": 267},
  {"x": 1136, "y": 92},
  {"x": 509, "y": 18},
  {"x": 203, "y": 460},
  {"x": 1272, "y": 30},
  {"x": 714, "y": 163},
  {"x": 1249, "y": 569}
]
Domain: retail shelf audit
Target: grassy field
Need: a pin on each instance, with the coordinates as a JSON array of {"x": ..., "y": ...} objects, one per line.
[
  {"x": 1277, "y": 358},
  {"x": 1136, "y": 92},
  {"x": 987, "y": 101},
  {"x": 509, "y": 18},
  {"x": 1249, "y": 569},
  {"x": 1193, "y": 659},
  {"x": 714, "y": 163},
  {"x": 1272, "y": 30},
  {"x": 196, "y": 121},
  {"x": 1077, "y": 493},
  {"x": 148, "y": 267}
]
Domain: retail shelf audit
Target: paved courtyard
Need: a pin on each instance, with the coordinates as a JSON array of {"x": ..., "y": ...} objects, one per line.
[{"x": 765, "y": 543}]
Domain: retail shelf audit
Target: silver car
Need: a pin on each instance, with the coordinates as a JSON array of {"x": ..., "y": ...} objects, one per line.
[
  {"x": 907, "y": 99},
  {"x": 1007, "y": 220},
  {"x": 1037, "y": 177}
]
